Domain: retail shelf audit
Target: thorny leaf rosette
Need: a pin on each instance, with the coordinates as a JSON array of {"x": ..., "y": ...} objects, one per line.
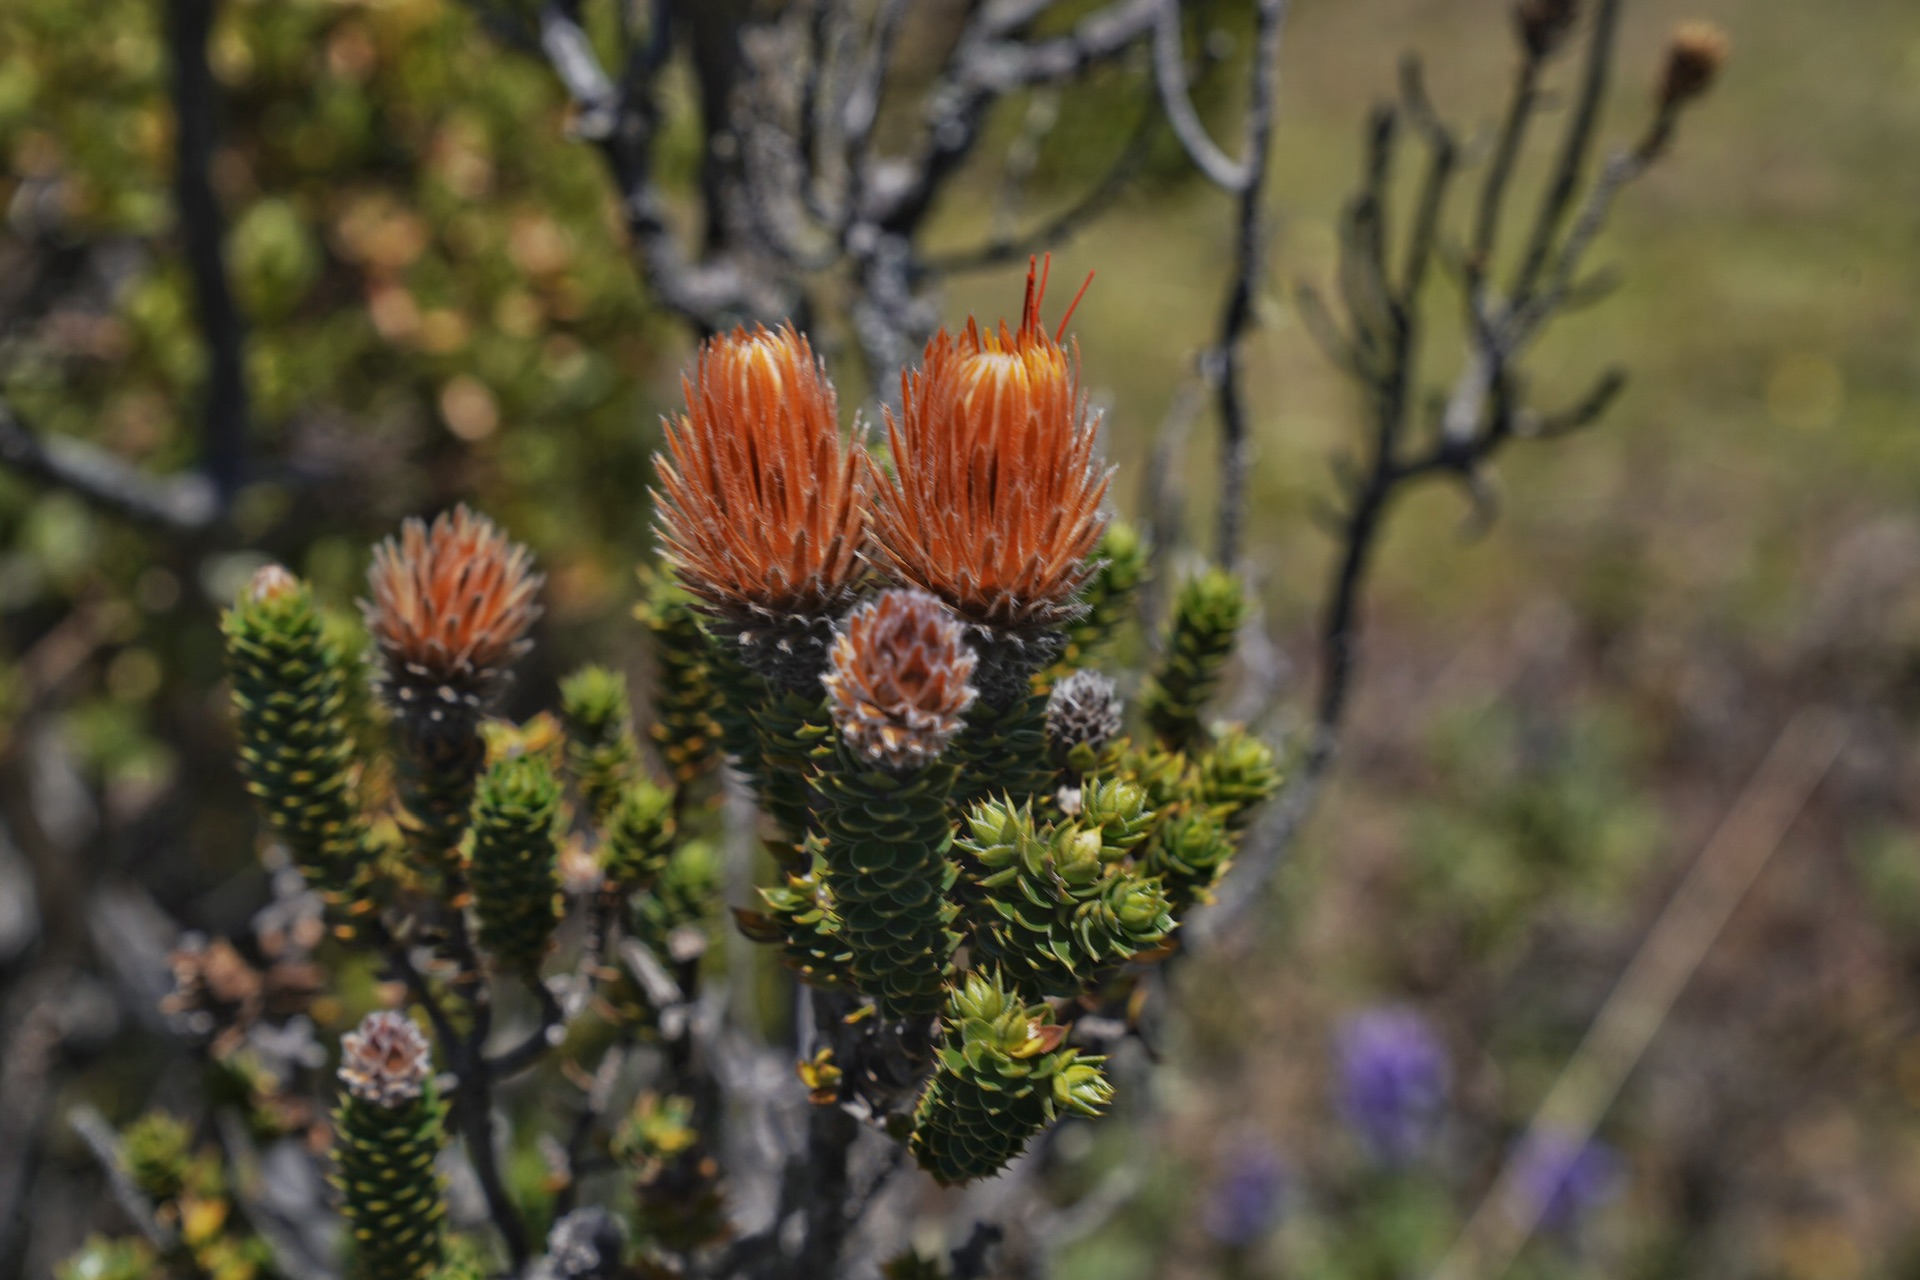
[
  {"x": 762, "y": 506},
  {"x": 1001, "y": 1077},
  {"x": 993, "y": 504}
]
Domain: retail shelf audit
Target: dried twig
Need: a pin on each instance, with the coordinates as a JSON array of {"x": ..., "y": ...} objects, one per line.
[{"x": 1379, "y": 343}]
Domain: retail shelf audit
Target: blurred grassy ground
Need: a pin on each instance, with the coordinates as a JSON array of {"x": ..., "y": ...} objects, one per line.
[{"x": 1553, "y": 716}]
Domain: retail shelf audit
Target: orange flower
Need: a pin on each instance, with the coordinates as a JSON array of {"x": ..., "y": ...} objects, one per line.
[
  {"x": 762, "y": 507},
  {"x": 994, "y": 503},
  {"x": 450, "y": 610},
  {"x": 900, "y": 679}
]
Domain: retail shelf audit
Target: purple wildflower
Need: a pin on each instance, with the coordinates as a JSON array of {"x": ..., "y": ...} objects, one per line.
[
  {"x": 1393, "y": 1082},
  {"x": 1247, "y": 1195},
  {"x": 1567, "y": 1180}
]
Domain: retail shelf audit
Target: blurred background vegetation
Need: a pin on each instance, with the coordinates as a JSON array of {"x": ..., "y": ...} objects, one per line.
[{"x": 1554, "y": 714}]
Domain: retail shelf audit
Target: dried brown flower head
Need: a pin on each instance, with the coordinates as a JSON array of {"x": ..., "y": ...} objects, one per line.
[
  {"x": 994, "y": 501},
  {"x": 386, "y": 1061},
  {"x": 218, "y": 996},
  {"x": 216, "y": 993},
  {"x": 1695, "y": 55},
  {"x": 1083, "y": 710},
  {"x": 451, "y": 607},
  {"x": 899, "y": 679},
  {"x": 762, "y": 505}
]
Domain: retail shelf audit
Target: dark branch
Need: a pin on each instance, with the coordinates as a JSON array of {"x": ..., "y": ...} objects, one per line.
[
  {"x": 1249, "y": 258},
  {"x": 203, "y": 230},
  {"x": 181, "y": 504},
  {"x": 1574, "y": 148},
  {"x": 538, "y": 1041}
]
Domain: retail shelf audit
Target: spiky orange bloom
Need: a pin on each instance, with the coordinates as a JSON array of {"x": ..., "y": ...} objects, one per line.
[
  {"x": 994, "y": 503},
  {"x": 762, "y": 507},
  {"x": 900, "y": 679},
  {"x": 452, "y": 603}
]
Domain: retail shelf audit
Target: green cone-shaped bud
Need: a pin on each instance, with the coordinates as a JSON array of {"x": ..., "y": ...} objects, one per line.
[
  {"x": 1001, "y": 1077},
  {"x": 799, "y": 918},
  {"x": 388, "y": 1132},
  {"x": 516, "y": 878},
  {"x": 1190, "y": 852},
  {"x": 639, "y": 836},
  {"x": 1108, "y": 596},
  {"x": 686, "y": 893},
  {"x": 1236, "y": 775},
  {"x": 601, "y": 752},
  {"x": 1206, "y": 616},
  {"x": 683, "y": 730},
  {"x": 296, "y": 743}
]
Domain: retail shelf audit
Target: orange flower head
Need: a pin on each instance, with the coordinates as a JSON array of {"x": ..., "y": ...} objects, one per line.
[
  {"x": 386, "y": 1060},
  {"x": 762, "y": 506},
  {"x": 899, "y": 679},
  {"x": 450, "y": 609},
  {"x": 994, "y": 501}
]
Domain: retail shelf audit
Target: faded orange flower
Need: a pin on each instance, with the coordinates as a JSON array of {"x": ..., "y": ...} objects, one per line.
[
  {"x": 450, "y": 610},
  {"x": 994, "y": 501},
  {"x": 762, "y": 505},
  {"x": 385, "y": 1060},
  {"x": 899, "y": 679}
]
